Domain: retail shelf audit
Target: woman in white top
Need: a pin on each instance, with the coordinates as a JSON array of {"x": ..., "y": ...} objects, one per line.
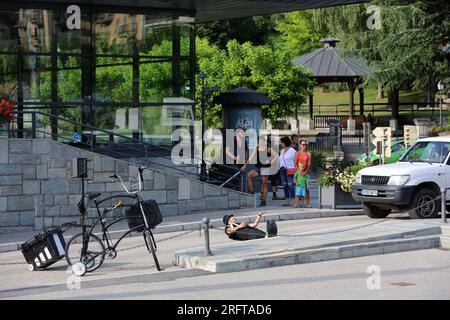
[{"x": 287, "y": 170}]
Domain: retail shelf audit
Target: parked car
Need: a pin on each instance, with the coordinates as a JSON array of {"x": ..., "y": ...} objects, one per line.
[
  {"x": 412, "y": 184},
  {"x": 398, "y": 149}
]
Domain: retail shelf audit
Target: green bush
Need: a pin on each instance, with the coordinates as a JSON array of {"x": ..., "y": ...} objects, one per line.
[{"x": 343, "y": 174}]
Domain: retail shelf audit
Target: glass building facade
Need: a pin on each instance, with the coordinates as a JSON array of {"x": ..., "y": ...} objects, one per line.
[{"x": 109, "y": 68}]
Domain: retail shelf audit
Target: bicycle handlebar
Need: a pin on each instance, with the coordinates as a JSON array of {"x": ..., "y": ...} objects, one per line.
[{"x": 140, "y": 177}]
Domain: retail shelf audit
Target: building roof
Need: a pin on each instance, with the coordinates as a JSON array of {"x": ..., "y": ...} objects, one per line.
[
  {"x": 327, "y": 63},
  {"x": 211, "y": 10}
]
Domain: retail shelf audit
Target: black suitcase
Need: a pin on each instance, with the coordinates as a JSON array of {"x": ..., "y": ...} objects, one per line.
[
  {"x": 152, "y": 214},
  {"x": 45, "y": 249}
]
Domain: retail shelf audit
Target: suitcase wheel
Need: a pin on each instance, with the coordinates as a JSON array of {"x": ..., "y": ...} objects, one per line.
[{"x": 79, "y": 269}]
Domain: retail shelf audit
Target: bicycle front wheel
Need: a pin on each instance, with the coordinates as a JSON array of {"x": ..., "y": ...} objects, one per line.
[
  {"x": 93, "y": 257},
  {"x": 151, "y": 247}
]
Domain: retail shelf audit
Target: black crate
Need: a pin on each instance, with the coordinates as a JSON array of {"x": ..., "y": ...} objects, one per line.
[
  {"x": 45, "y": 249},
  {"x": 152, "y": 214}
]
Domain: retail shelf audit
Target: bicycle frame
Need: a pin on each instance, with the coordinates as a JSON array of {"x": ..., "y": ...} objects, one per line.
[{"x": 106, "y": 227}]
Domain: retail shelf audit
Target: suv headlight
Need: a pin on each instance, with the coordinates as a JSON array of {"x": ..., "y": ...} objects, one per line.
[
  {"x": 358, "y": 179},
  {"x": 398, "y": 180}
]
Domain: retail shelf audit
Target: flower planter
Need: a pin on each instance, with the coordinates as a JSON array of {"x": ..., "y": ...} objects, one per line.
[{"x": 334, "y": 198}]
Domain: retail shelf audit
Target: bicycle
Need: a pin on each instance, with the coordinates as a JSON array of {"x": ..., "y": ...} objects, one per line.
[{"x": 91, "y": 255}]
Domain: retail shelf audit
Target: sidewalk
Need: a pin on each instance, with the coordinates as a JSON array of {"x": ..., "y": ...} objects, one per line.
[{"x": 274, "y": 210}]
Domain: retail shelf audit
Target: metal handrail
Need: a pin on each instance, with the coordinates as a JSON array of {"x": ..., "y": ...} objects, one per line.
[{"x": 111, "y": 134}]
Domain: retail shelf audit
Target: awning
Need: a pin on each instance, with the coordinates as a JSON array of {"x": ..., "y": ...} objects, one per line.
[{"x": 209, "y": 10}]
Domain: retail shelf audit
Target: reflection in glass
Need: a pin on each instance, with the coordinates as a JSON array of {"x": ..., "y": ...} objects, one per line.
[
  {"x": 69, "y": 79},
  {"x": 113, "y": 80},
  {"x": 36, "y": 73}
]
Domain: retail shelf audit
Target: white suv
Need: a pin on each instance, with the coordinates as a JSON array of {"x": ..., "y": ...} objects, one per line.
[{"x": 412, "y": 184}]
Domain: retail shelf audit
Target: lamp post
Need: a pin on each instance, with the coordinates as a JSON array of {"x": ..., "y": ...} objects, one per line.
[
  {"x": 440, "y": 88},
  {"x": 203, "y": 174},
  {"x": 205, "y": 94}
]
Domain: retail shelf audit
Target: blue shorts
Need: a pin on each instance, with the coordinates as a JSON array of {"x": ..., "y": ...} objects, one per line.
[{"x": 300, "y": 192}]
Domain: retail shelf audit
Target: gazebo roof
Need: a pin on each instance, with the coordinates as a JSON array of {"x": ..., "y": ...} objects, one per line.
[{"x": 326, "y": 64}]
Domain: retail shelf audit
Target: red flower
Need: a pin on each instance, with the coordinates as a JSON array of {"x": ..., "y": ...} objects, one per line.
[{"x": 6, "y": 110}]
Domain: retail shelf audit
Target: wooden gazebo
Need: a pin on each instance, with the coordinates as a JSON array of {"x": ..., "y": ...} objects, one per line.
[{"x": 328, "y": 65}]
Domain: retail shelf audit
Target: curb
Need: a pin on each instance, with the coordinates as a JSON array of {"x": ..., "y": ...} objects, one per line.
[{"x": 310, "y": 255}]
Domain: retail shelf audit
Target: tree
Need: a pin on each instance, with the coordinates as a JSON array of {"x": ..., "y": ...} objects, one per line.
[
  {"x": 262, "y": 68},
  {"x": 406, "y": 49},
  {"x": 256, "y": 30},
  {"x": 296, "y": 32}
]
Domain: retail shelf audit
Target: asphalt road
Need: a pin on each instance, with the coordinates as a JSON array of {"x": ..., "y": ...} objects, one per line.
[{"x": 411, "y": 275}]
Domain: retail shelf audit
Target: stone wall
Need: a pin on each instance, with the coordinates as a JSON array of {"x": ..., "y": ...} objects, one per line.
[{"x": 36, "y": 188}]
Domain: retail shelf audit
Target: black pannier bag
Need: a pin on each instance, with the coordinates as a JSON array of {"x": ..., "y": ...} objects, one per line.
[
  {"x": 45, "y": 249},
  {"x": 152, "y": 214}
]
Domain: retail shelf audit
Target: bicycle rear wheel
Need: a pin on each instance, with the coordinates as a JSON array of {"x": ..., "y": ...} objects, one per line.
[
  {"x": 95, "y": 252},
  {"x": 148, "y": 237}
]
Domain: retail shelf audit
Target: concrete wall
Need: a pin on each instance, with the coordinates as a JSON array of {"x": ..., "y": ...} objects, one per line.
[{"x": 36, "y": 188}]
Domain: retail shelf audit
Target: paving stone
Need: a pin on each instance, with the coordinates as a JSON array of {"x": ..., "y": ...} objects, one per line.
[
  {"x": 21, "y": 203},
  {"x": 54, "y": 186},
  {"x": 235, "y": 204},
  {"x": 168, "y": 210},
  {"x": 108, "y": 164},
  {"x": 59, "y": 164},
  {"x": 159, "y": 181},
  {"x": 48, "y": 199},
  {"x": 26, "y": 218},
  {"x": 61, "y": 199},
  {"x": 41, "y": 147},
  {"x": 196, "y": 190},
  {"x": 29, "y": 172},
  {"x": 9, "y": 219},
  {"x": 20, "y": 146},
  {"x": 26, "y": 158},
  {"x": 159, "y": 196},
  {"x": 10, "y": 169},
  {"x": 210, "y": 190},
  {"x": 4, "y": 151},
  {"x": 96, "y": 187},
  {"x": 69, "y": 211},
  {"x": 11, "y": 190},
  {"x": 51, "y": 211},
  {"x": 3, "y": 203},
  {"x": 12, "y": 180},
  {"x": 172, "y": 182},
  {"x": 196, "y": 205},
  {"x": 172, "y": 196},
  {"x": 217, "y": 202},
  {"x": 184, "y": 189},
  {"x": 31, "y": 187},
  {"x": 42, "y": 171}
]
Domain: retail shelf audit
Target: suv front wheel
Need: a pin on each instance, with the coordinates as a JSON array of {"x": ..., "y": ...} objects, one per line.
[
  {"x": 425, "y": 205},
  {"x": 375, "y": 213}
]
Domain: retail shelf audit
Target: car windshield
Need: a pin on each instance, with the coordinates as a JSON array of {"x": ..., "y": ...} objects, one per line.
[{"x": 427, "y": 151}]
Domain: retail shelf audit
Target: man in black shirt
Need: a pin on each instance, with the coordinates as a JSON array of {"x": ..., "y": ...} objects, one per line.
[{"x": 248, "y": 231}]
